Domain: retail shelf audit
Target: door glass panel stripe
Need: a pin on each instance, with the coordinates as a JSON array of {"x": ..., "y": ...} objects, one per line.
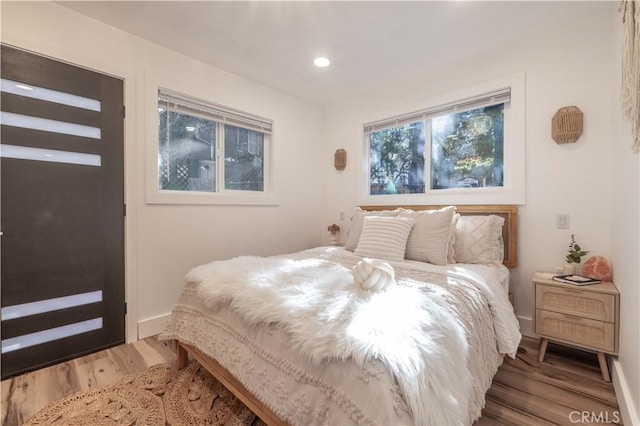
[
  {"x": 46, "y": 125},
  {"x": 48, "y": 305},
  {"x": 35, "y": 92},
  {"x": 50, "y": 155},
  {"x": 44, "y": 336}
]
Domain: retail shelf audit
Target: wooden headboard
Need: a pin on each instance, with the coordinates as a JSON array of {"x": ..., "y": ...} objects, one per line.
[{"x": 509, "y": 230}]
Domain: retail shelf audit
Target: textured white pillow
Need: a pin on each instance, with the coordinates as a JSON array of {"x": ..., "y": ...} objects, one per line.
[
  {"x": 430, "y": 235},
  {"x": 451, "y": 258},
  {"x": 384, "y": 237},
  {"x": 478, "y": 239},
  {"x": 356, "y": 225}
]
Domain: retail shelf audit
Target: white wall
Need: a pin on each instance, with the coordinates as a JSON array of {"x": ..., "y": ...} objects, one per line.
[
  {"x": 572, "y": 178},
  {"x": 595, "y": 180},
  {"x": 165, "y": 241},
  {"x": 626, "y": 249}
]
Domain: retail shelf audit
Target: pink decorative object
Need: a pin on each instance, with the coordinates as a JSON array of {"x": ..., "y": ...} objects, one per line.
[{"x": 597, "y": 267}]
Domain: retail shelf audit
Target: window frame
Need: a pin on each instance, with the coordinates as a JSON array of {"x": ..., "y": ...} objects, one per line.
[
  {"x": 513, "y": 189},
  {"x": 222, "y": 196}
]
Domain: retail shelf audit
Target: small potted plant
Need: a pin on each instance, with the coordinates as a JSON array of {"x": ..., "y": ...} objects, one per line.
[
  {"x": 573, "y": 257},
  {"x": 334, "y": 230}
]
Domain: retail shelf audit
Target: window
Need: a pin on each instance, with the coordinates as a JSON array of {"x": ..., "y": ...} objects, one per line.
[
  {"x": 467, "y": 148},
  {"x": 446, "y": 147},
  {"x": 204, "y": 147},
  {"x": 463, "y": 147}
]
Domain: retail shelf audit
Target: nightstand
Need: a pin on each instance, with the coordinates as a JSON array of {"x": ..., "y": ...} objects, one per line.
[{"x": 583, "y": 316}]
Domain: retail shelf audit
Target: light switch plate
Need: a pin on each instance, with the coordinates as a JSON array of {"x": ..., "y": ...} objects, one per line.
[{"x": 562, "y": 221}]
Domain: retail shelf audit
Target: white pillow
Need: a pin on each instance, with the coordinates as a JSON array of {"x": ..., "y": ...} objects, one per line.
[
  {"x": 478, "y": 239},
  {"x": 356, "y": 224},
  {"x": 430, "y": 235},
  {"x": 384, "y": 237}
]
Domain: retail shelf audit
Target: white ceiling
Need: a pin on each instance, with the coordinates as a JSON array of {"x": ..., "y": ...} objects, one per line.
[{"x": 369, "y": 42}]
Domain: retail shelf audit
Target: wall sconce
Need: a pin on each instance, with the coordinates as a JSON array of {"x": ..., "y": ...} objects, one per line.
[
  {"x": 340, "y": 159},
  {"x": 566, "y": 124}
]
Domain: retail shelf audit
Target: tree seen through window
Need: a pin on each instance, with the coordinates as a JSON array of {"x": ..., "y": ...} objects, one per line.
[{"x": 465, "y": 148}]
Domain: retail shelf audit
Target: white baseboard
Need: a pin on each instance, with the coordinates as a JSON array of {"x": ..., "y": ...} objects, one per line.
[
  {"x": 628, "y": 407},
  {"x": 152, "y": 326},
  {"x": 526, "y": 326}
]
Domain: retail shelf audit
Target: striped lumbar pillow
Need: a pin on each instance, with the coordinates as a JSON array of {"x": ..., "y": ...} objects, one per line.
[
  {"x": 358, "y": 220},
  {"x": 429, "y": 238},
  {"x": 384, "y": 237}
]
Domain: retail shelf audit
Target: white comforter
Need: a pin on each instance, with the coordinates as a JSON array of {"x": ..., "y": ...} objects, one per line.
[{"x": 419, "y": 331}]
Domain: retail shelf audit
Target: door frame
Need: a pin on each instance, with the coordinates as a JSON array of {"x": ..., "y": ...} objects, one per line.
[{"x": 132, "y": 85}]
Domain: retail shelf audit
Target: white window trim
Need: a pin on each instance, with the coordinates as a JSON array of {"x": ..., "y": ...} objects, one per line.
[
  {"x": 513, "y": 191},
  {"x": 154, "y": 195}
]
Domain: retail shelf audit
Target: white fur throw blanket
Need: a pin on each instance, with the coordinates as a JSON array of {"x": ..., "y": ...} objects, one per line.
[
  {"x": 329, "y": 318},
  {"x": 373, "y": 274}
]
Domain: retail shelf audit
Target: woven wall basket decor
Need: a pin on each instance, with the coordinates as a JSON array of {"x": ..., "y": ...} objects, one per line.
[
  {"x": 340, "y": 159},
  {"x": 566, "y": 124}
]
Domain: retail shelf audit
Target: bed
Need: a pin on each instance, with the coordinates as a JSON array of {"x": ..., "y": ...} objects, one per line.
[{"x": 298, "y": 342}]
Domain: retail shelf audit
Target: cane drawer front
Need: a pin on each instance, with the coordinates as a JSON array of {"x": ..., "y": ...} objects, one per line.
[
  {"x": 598, "y": 335},
  {"x": 579, "y": 302}
]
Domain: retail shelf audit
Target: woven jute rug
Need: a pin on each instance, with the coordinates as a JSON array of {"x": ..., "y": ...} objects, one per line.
[{"x": 159, "y": 395}]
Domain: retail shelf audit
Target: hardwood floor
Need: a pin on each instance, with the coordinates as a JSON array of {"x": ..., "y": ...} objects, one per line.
[
  {"x": 566, "y": 389},
  {"x": 25, "y": 395}
]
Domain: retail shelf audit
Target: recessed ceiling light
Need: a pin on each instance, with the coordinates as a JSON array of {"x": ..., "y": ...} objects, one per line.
[{"x": 321, "y": 62}]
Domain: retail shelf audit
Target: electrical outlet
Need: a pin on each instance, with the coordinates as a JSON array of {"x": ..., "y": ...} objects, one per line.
[{"x": 562, "y": 221}]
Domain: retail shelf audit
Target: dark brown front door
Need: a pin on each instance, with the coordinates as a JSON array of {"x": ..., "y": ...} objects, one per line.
[{"x": 62, "y": 220}]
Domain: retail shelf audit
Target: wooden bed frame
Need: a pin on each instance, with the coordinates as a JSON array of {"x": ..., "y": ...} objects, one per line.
[
  {"x": 509, "y": 234},
  {"x": 228, "y": 381}
]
